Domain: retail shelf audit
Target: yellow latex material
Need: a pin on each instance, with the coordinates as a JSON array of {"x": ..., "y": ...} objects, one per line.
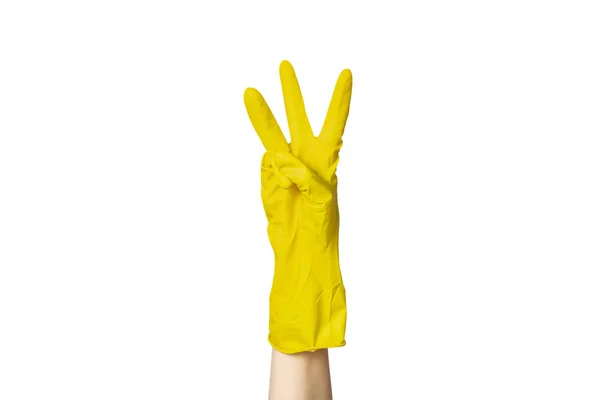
[{"x": 299, "y": 194}]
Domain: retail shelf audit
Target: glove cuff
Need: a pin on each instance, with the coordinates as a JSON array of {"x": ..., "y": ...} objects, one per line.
[{"x": 321, "y": 325}]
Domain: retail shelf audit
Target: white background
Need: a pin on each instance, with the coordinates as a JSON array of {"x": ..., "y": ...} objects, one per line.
[{"x": 134, "y": 260}]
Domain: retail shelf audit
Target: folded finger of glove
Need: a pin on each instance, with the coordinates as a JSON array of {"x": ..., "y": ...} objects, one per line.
[{"x": 288, "y": 171}]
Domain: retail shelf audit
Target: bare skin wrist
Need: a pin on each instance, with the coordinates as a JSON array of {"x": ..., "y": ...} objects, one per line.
[{"x": 300, "y": 376}]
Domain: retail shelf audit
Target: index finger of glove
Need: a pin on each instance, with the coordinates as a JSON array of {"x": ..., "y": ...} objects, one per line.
[
  {"x": 339, "y": 107},
  {"x": 264, "y": 122}
]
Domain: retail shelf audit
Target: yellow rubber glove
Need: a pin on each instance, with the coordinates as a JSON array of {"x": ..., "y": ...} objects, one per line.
[{"x": 299, "y": 193}]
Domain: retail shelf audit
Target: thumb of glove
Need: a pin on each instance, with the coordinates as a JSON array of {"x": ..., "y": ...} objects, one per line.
[{"x": 289, "y": 171}]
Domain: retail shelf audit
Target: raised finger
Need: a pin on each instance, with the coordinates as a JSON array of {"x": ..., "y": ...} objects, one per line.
[
  {"x": 294, "y": 103},
  {"x": 264, "y": 122},
  {"x": 339, "y": 107}
]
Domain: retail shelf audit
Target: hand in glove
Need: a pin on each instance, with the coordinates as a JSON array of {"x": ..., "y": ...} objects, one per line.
[{"x": 299, "y": 194}]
